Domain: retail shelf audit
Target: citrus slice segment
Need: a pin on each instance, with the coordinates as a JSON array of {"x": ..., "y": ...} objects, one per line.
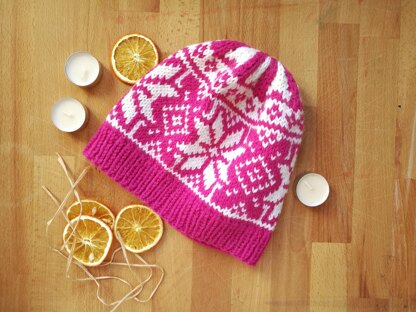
[
  {"x": 132, "y": 57},
  {"x": 91, "y": 208},
  {"x": 93, "y": 240},
  {"x": 139, "y": 228}
]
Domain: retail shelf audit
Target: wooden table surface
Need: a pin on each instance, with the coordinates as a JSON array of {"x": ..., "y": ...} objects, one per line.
[{"x": 355, "y": 62}]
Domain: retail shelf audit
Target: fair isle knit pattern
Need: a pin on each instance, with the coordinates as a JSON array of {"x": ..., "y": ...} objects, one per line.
[{"x": 208, "y": 139}]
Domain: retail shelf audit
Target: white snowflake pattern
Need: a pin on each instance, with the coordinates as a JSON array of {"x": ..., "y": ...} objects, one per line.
[{"x": 213, "y": 152}]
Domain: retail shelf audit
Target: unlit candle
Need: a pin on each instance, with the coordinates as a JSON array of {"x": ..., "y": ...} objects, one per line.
[
  {"x": 83, "y": 69},
  {"x": 312, "y": 189},
  {"x": 69, "y": 115}
]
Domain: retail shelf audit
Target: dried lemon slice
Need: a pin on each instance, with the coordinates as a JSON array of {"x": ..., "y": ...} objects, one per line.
[
  {"x": 91, "y": 208},
  {"x": 139, "y": 227},
  {"x": 93, "y": 239},
  {"x": 132, "y": 57}
]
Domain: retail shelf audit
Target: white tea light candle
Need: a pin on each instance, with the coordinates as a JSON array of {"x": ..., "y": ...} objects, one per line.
[
  {"x": 83, "y": 69},
  {"x": 312, "y": 189},
  {"x": 69, "y": 115}
]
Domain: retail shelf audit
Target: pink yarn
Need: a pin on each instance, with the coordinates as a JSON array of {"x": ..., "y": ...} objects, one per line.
[{"x": 208, "y": 139}]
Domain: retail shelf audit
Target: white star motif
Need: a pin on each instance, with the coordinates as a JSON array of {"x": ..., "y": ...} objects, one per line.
[{"x": 214, "y": 151}]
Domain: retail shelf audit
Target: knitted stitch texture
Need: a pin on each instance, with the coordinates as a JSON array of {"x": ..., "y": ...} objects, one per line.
[{"x": 208, "y": 139}]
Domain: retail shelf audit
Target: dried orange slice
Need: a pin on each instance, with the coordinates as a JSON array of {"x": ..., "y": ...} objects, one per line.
[
  {"x": 132, "y": 57},
  {"x": 93, "y": 239},
  {"x": 139, "y": 228},
  {"x": 91, "y": 208}
]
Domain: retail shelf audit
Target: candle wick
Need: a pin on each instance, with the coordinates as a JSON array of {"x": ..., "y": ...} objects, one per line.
[
  {"x": 308, "y": 185},
  {"x": 68, "y": 114},
  {"x": 84, "y": 73}
]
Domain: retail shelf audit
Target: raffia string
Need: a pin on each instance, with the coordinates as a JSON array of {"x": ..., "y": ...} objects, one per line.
[{"x": 134, "y": 291}]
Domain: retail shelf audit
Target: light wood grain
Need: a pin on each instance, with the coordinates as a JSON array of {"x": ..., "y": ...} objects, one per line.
[
  {"x": 328, "y": 289},
  {"x": 355, "y": 62}
]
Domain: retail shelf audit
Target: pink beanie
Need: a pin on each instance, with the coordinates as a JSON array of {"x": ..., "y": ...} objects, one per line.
[{"x": 208, "y": 139}]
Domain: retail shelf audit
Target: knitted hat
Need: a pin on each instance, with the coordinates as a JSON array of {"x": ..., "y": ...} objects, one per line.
[{"x": 208, "y": 138}]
